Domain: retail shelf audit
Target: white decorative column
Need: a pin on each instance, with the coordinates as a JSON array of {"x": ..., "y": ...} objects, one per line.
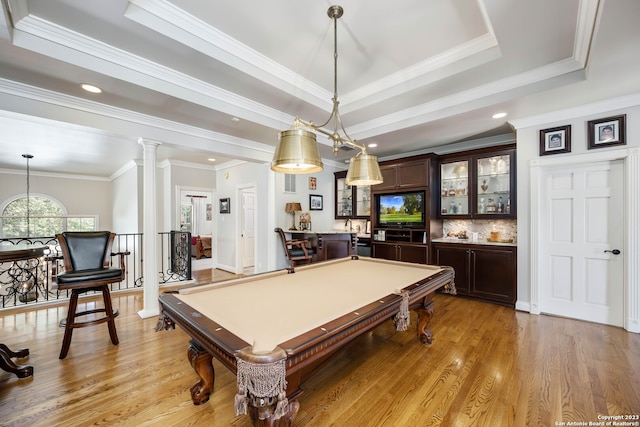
[{"x": 150, "y": 230}]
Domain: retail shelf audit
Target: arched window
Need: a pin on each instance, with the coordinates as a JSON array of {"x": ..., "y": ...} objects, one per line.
[{"x": 47, "y": 217}]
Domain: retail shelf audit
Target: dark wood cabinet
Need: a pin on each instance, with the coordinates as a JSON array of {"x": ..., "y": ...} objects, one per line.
[
  {"x": 408, "y": 244},
  {"x": 351, "y": 201},
  {"x": 402, "y": 245},
  {"x": 402, "y": 252},
  {"x": 478, "y": 184},
  {"x": 404, "y": 174},
  {"x": 481, "y": 271}
]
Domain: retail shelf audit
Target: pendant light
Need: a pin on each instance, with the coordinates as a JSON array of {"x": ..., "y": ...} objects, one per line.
[{"x": 297, "y": 150}]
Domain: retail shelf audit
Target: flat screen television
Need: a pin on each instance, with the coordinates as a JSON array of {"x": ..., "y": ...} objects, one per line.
[{"x": 400, "y": 209}]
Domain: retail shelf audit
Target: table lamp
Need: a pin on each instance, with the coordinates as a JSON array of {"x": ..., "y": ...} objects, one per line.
[{"x": 292, "y": 208}]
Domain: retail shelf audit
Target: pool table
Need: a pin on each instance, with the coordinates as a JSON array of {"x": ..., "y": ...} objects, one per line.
[{"x": 274, "y": 330}]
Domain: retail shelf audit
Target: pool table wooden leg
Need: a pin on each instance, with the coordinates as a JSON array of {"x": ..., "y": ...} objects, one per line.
[
  {"x": 256, "y": 412},
  {"x": 201, "y": 361},
  {"x": 425, "y": 313}
]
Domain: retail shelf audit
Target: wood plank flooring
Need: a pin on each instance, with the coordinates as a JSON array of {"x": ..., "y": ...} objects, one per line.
[{"x": 488, "y": 366}]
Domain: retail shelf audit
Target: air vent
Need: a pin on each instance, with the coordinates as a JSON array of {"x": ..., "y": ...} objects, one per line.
[{"x": 345, "y": 147}]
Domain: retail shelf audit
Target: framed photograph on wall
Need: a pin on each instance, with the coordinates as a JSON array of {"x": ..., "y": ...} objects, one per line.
[
  {"x": 606, "y": 132},
  {"x": 225, "y": 205},
  {"x": 555, "y": 140},
  {"x": 315, "y": 202}
]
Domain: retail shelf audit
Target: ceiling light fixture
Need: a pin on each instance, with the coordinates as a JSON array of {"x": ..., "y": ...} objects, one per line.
[
  {"x": 297, "y": 150},
  {"x": 91, "y": 88},
  {"x": 499, "y": 115}
]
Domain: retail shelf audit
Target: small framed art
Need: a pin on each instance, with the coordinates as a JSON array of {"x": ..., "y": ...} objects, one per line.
[
  {"x": 225, "y": 205},
  {"x": 555, "y": 140},
  {"x": 606, "y": 132},
  {"x": 315, "y": 202}
]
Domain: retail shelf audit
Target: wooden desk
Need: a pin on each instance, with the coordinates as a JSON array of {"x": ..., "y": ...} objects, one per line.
[
  {"x": 330, "y": 244},
  {"x": 289, "y": 325},
  {"x": 19, "y": 255}
]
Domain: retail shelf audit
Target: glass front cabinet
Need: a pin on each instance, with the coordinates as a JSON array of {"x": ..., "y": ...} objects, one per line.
[
  {"x": 478, "y": 184},
  {"x": 351, "y": 201}
]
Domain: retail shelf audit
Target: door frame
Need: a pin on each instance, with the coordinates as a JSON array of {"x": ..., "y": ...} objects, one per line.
[{"x": 631, "y": 231}]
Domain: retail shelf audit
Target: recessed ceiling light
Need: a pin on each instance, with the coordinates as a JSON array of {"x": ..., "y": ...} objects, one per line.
[
  {"x": 212, "y": 159},
  {"x": 499, "y": 115},
  {"x": 372, "y": 145},
  {"x": 235, "y": 119},
  {"x": 91, "y": 88}
]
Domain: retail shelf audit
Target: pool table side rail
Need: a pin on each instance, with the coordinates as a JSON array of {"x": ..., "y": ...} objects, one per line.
[{"x": 211, "y": 336}]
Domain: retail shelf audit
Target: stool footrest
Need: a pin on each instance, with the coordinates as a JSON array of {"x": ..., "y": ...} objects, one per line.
[{"x": 63, "y": 322}]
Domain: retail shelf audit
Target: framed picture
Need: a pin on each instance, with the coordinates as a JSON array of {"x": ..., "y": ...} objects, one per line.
[
  {"x": 225, "y": 206},
  {"x": 606, "y": 132},
  {"x": 555, "y": 140},
  {"x": 312, "y": 183},
  {"x": 315, "y": 202}
]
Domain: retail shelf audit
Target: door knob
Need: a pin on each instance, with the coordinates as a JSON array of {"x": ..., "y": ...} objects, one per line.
[{"x": 614, "y": 251}]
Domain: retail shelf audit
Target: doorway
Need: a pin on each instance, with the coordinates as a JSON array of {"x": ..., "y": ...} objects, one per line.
[
  {"x": 195, "y": 215},
  {"x": 581, "y": 263},
  {"x": 248, "y": 225}
]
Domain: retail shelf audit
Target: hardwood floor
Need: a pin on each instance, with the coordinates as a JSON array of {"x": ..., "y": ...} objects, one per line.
[{"x": 488, "y": 366}]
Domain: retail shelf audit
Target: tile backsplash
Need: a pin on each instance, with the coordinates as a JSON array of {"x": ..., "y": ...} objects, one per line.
[{"x": 506, "y": 228}]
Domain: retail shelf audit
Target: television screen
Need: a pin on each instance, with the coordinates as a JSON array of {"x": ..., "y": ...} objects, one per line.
[{"x": 401, "y": 209}]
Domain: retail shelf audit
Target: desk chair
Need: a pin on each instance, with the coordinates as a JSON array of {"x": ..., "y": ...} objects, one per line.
[
  {"x": 296, "y": 251},
  {"x": 86, "y": 261}
]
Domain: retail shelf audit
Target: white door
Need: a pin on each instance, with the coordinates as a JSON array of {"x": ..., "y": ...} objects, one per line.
[
  {"x": 581, "y": 226},
  {"x": 248, "y": 228}
]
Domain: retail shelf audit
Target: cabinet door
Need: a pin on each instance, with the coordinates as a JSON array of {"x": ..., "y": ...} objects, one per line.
[
  {"x": 363, "y": 201},
  {"x": 495, "y": 183},
  {"x": 454, "y": 188},
  {"x": 493, "y": 274},
  {"x": 458, "y": 258},
  {"x": 384, "y": 251},
  {"x": 413, "y": 174},
  {"x": 388, "y": 178},
  {"x": 416, "y": 254},
  {"x": 344, "y": 197}
]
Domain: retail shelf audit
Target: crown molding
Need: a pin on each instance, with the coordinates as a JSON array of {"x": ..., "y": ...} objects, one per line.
[
  {"x": 175, "y": 23},
  {"x": 626, "y": 101},
  {"x": 44, "y": 37},
  {"x": 224, "y": 144},
  {"x": 509, "y": 87}
]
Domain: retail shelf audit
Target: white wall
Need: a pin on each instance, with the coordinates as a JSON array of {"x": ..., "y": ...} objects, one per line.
[
  {"x": 270, "y": 202},
  {"x": 127, "y": 201},
  {"x": 80, "y": 196},
  {"x": 226, "y": 233},
  {"x": 528, "y": 130},
  {"x": 176, "y": 175}
]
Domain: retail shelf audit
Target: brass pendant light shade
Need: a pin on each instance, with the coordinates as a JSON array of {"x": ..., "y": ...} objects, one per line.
[
  {"x": 364, "y": 170},
  {"x": 297, "y": 153}
]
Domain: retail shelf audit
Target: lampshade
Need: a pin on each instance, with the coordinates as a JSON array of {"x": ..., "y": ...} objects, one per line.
[
  {"x": 297, "y": 153},
  {"x": 292, "y": 207},
  {"x": 364, "y": 170}
]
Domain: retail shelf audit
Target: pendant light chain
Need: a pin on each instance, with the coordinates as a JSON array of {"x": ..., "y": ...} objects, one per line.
[{"x": 28, "y": 157}]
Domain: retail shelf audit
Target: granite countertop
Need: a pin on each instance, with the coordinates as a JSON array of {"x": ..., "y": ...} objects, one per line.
[{"x": 470, "y": 242}]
